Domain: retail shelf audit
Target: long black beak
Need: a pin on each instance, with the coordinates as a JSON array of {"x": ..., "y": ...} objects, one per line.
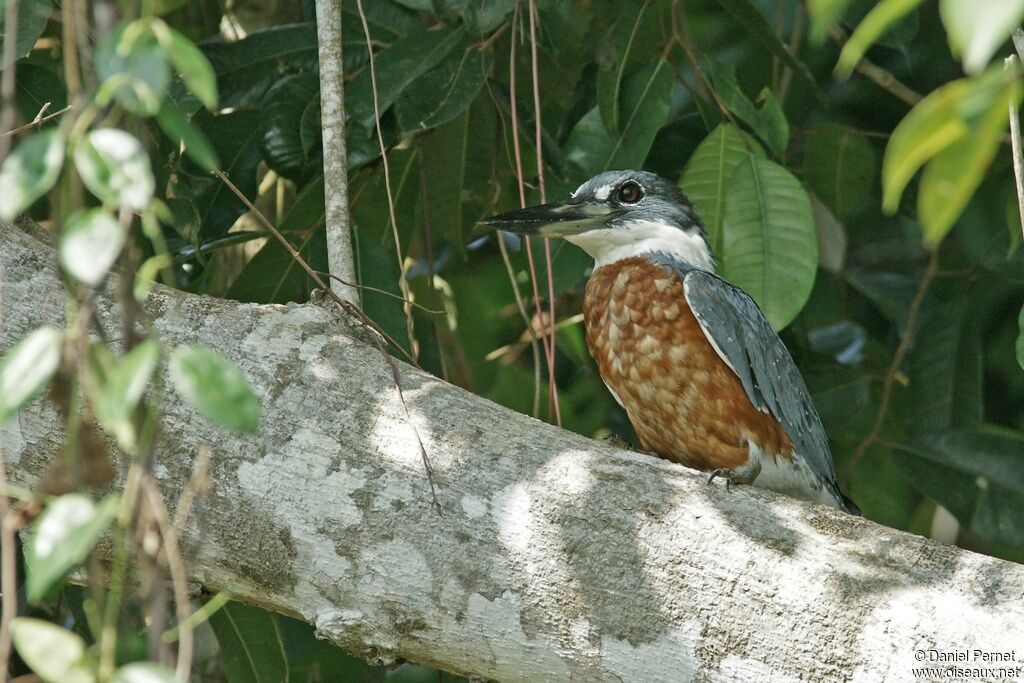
[{"x": 557, "y": 219}]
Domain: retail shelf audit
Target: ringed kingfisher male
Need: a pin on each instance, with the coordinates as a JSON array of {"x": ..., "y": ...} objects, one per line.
[{"x": 705, "y": 380}]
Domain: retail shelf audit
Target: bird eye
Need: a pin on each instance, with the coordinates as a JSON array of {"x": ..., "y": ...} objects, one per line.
[{"x": 630, "y": 192}]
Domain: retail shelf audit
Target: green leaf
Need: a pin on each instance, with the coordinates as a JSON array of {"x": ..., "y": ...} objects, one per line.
[
  {"x": 247, "y": 68},
  {"x": 824, "y": 14},
  {"x": 645, "y": 107},
  {"x": 611, "y": 75},
  {"x": 770, "y": 245},
  {"x": 89, "y": 244},
  {"x": 768, "y": 121},
  {"x": 30, "y": 171},
  {"x": 396, "y": 68},
  {"x": 977, "y": 474},
  {"x": 977, "y": 29},
  {"x": 115, "y": 168},
  {"x": 62, "y": 537},
  {"x": 1020, "y": 339},
  {"x": 444, "y": 92},
  {"x": 121, "y": 384},
  {"x": 37, "y": 86},
  {"x": 951, "y": 178},
  {"x": 706, "y": 179},
  {"x": 443, "y": 154},
  {"x": 178, "y": 128},
  {"x": 744, "y": 12},
  {"x": 132, "y": 69},
  {"x": 27, "y": 367},
  {"x": 840, "y": 166},
  {"x": 191, "y": 63},
  {"x": 273, "y": 276},
  {"x": 930, "y": 127},
  {"x": 261, "y": 647},
  {"x": 307, "y": 211},
  {"x": 215, "y": 387},
  {"x": 945, "y": 372},
  {"x": 55, "y": 654},
  {"x": 877, "y": 22},
  {"x": 283, "y": 109},
  {"x": 479, "y": 16},
  {"x": 32, "y": 18},
  {"x": 235, "y": 138},
  {"x": 144, "y": 672}
]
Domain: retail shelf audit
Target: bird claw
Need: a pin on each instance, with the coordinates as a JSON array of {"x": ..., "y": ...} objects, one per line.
[{"x": 741, "y": 475}]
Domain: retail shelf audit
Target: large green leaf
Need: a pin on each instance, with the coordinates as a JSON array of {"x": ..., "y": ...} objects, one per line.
[
  {"x": 951, "y": 178},
  {"x": 443, "y": 155},
  {"x": 195, "y": 69},
  {"x": 284, "y": 107},
  {"x": 977, "y": 29},
  {"x": 370, "y": 200},
  {"x": 769, "y": 241},
  {"x": 179, "y": 129},
  {"x": 444, "y": 92},
  {"x": 32, "y": 18},
  {"x": 396, "y": 68},
  {"x": 115, "y": 168},
  {"x": 37, "y": 86},
  {"x": 27, "y": 367},
  {"x": 941, "y": 119},
  {"x": 840, "y": 166},
  {"x": 235, "y": 138},
  {"x": 62, "y": 536},
  {"x": 708, "y": 174},
  {"x": 645, "y": 105},
  {"x": 624, "y": 42},
  {"x": 273, "y": 276},
  {"x": 30, "y": 171},
  {"x": 885, "y": 14},
  {"x": 247, "y": 68},
  {"x": 261, "y": 647},
  {"x": 824, "y": 14},
  {"x": 55, "y": 654},
  {"x": 767, "y": 121},
  {"x": 758, "y": 28},
  {"x": 215, "y": 387},
  {"x": 977, "y": 474},
  {"x": 945, "y": 372}
]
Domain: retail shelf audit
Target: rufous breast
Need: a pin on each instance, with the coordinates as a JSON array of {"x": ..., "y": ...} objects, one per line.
[{"x": 684, "y": 402}]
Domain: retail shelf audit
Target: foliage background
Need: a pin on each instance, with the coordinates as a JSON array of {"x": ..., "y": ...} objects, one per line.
[{"x": 906, "y": 334}]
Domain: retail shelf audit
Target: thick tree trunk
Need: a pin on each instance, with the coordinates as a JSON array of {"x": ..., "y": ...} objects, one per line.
[{"x": 554, "y": 557}]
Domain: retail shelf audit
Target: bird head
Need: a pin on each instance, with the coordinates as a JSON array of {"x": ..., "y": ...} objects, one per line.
[{"x": 617, "y": 215}]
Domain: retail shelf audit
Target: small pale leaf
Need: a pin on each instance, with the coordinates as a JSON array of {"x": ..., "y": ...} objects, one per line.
[
  {"x": 55, "y": 654},
  {"x": 62, "y": 537},
  {"x": 26, "y": 368},
  {"x": 89, "y": 245},
  {"x": 115, "y": 168},
  {"x": 144, "y": 672},
  {"x": 30, "y": 171}
]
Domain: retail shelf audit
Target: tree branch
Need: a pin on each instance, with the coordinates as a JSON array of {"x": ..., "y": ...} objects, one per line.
[{"x": 556, "y": 556}]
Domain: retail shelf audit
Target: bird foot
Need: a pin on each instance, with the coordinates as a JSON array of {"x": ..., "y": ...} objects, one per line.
[{"x": 739, "y": 476}]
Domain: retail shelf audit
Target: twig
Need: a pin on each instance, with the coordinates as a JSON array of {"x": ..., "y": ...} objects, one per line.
[
  {"x": 38, "y": 120},
  {"x": 339, "y": 239},
  {"x": 351, "y": 310},
  {"x": 403, "y": 282},
  {"x": 879, "y": 76},
  {"x": 9, "y": 108},
  {"x": 897, "y": 361},
  {"x": 552, "y": 385},
  {"x": 1015, "y": 146},
  {"x": 521, "y": 184},
  {"x": 179, "y": 577}
]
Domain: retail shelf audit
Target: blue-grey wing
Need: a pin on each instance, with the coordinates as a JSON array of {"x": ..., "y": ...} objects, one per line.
[{"x": 745, "y": 340}]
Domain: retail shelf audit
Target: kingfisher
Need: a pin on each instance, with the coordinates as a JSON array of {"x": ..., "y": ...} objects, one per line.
[{"x": 703, "y": 377}]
